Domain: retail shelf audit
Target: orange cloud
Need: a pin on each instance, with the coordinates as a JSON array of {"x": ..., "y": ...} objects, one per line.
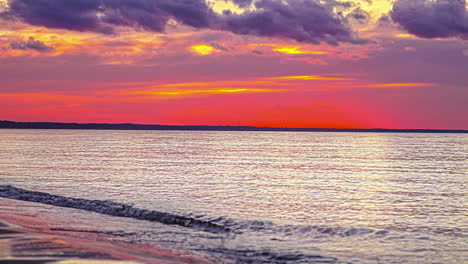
[
  {"x": 214, "y": 84},
  {"x": 400, "y": 85},
  {"x": 125, "y": 49},
  {"x": 312, "y": 77},
  {"x": 258, "y": 85},
  {"x": 202, "y": 91}
]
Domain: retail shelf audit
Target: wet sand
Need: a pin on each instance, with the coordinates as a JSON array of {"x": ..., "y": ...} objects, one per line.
[{"x": 26, "y": 238}]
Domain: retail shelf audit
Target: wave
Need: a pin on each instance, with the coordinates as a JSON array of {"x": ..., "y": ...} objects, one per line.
[
  {"x": 215, "y": 225},
  {"x": 258, "y": 241},
  {"x": 111, "y": 208}
]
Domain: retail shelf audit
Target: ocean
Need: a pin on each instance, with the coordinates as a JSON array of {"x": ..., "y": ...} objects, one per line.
[{"x": 249, "y": 197}]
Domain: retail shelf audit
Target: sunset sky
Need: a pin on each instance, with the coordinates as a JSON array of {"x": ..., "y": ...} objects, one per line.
[{"x": 290, "y": 63}]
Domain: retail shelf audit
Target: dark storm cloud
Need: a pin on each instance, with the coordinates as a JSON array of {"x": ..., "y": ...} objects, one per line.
[
  {"x": 311, "y": 21},
  {"x": 31, "y": 44},
  {"x": 154, "y": 14},
  {"x": 99, "y": 15},
  {"x": 432, "y": 19},
  {"x": 301, "y": 20},
  {"x": 78, "y": 15}
]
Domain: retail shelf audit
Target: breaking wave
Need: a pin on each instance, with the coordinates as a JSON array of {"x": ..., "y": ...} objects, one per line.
[
  {"x": 204, "y": 223},
  {"x": 269, "y": 251},
  {"x": 110, "y": 208}
]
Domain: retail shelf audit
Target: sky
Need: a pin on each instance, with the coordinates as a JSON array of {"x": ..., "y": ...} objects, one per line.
[{"x": 269, "y": 63}]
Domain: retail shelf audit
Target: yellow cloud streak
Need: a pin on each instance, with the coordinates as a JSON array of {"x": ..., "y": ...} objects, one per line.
[
  {"x": 269, "y": 81},
  {"x": 312, "y": 77},
  {"x": 400, "y": 85},
  {"x": 270, "y": 84},
  {"x": 403, "y": 36},
  {"x": 225, "y": 87},
  {"x": 202, "y": 49},
  {"x": 287, "y": 49},
  {"x": 219, "y": 84},
  {"x": 297, "y": 50},
  {"x": 203, "y": 91}
]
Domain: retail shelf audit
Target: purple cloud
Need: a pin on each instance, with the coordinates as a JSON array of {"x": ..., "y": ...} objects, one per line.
[
  {"x": 242, "y": 3},
  {"x": 359, "y": 15},
  {"x": 218, "y": 46},
  {"x": 78, "y": 15},
  {"x": 311, "y": 21},
  {"x": 153, "y": 15},
  {"x": 432, "y": 19},
  {"x": 301, "y": 20},
  {"x": 31, "y": 44}
]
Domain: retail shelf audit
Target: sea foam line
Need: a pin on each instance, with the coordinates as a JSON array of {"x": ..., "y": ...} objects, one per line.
[{"x": 110, "y": 208}]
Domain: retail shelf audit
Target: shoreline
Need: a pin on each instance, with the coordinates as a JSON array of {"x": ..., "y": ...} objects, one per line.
[{"x": 27, "y": 238}]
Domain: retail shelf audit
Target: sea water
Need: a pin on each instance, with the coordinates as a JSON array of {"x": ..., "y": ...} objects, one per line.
[{"x": 252, "y": 197}]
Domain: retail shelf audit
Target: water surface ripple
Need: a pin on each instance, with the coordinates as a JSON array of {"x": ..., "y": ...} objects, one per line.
[{"x": 300, "y": 197}]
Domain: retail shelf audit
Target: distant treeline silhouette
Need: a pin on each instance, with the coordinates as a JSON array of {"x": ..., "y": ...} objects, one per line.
[{"x": 129, "y": 126}]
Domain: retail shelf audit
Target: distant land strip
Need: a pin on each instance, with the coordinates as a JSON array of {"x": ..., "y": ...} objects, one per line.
[{"x": 129, "y": 126}]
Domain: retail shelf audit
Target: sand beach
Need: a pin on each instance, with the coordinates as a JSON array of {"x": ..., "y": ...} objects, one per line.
[{"x": 30, "y": 238}]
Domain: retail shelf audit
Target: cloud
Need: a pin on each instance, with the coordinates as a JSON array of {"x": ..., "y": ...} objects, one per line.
[
  {"x": 432, "y": 18},
  {"x": 118, "y": 44},
  {"x": 258, "y": 52},
  {"x": 72, "y": 15},
  {"x": 202, "y": 49},
  {"x": 153, "y": 15},
  {"x": 31, "y": 44},
  {"x": 301, "y": 20},
  {"x": 398, "y": 85},
  {"x": 311, "y": 21},
  {"x": 359, "y": 15},
  {"x": 242, "y": 3},
  {"x": 218, "y": 46},
  {"x": 102, "y": 15}
]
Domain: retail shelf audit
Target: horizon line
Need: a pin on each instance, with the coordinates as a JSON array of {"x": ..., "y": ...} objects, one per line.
[{"x": 8, "y": 124}]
